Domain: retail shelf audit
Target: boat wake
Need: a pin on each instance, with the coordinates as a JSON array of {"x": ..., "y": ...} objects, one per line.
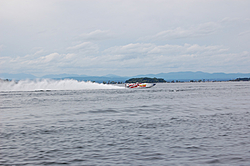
[{"x": 49, "y": 84}]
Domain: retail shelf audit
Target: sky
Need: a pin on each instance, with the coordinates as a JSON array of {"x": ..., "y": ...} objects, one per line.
[{"x": 124, "y": 37}]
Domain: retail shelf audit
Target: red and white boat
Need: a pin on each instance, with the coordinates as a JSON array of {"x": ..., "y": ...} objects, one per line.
[{"x": 139, "y": 85}]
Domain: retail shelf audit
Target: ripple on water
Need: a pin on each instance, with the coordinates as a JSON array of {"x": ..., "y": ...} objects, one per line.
[{"x": 172, "y": 124}]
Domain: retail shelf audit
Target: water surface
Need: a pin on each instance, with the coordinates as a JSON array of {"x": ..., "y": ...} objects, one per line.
[{"x": 169, "y": 124}]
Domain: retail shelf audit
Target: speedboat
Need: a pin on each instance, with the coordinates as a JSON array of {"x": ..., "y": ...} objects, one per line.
[{"x": 139, "y": 85}]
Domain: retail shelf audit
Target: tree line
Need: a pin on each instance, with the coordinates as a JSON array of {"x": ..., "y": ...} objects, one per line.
[
  {"x": 241, "y": 79},
  {"x": 145, "y": 80}
]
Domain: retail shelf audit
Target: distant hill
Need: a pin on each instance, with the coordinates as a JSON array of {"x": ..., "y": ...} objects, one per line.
[
  {"x": 242, "y": 79},
  {"x": 62, "y": 75},
  {"x": 185, "y": 76},
  {"x": 18, "y": 76},
  {"x": 99, "y": 79},
  {"x": 180, "y": 76}
]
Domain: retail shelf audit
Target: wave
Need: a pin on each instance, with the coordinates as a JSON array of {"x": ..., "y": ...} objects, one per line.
[{"x": 49, "y": 84}]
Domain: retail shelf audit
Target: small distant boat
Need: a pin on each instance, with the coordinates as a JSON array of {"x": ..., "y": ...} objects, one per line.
[{"x": 139, "y": 85}]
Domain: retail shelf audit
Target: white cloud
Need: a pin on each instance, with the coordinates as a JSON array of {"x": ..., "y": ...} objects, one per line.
[
  {"x": 85, "y": 48},
  {"x": 244, "y": 33},
  {"x": 50, "y": 57},
  {"x": 234, "y": 20},
  {"x": 133, "y": 48},
  {"x": 158, "y": 58},
  {"x": 80, "y": 46},
  {"x": 97, "y": 35},
  {"x": 194, "y": 31},
  {"x": 139, "y": 57},
  {"x": 76, "y": 35},
  {"x": 2, "y": 47},
  {"x": 168, "y": 50},
  {"x": 191, "y": 32}
]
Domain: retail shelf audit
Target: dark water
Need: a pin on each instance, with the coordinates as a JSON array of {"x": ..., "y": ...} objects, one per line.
[{"x": 169, "y": 124}]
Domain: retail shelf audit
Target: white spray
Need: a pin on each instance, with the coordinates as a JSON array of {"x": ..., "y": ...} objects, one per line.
[{"x": 49, "y": 84}]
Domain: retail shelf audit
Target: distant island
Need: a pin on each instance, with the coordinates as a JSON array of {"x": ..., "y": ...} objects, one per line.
[
  {"x": 4, "y": 80},
  {"x": 241, "y": 79},
  {"x": 171, "y": 77},
  {"x": 145, "y": 80}
]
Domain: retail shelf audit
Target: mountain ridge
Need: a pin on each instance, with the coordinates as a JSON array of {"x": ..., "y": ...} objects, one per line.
[{"x": 181, "y": 76}]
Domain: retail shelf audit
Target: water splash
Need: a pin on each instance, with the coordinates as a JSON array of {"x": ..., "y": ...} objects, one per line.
[{"x": 49, "y": 84}]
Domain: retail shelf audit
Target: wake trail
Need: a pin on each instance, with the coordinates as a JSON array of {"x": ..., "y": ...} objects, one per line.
[{"x": 49, "y": 84}]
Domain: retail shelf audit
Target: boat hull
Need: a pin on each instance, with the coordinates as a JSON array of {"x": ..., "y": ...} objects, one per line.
[{"x": 139, "y": 85}]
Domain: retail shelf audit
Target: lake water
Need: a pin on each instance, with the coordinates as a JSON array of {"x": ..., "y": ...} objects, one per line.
[{"x": 77, "y": 123}]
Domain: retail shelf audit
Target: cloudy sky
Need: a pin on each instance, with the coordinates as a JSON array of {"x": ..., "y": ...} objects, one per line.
[{"x": 124, "y": 37}]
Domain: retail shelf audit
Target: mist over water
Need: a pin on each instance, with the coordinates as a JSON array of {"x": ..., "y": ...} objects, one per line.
[{"x": 49, "y": 84}]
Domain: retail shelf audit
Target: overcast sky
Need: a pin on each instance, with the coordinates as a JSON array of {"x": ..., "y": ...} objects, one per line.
[{"x": 124, "y": 37}]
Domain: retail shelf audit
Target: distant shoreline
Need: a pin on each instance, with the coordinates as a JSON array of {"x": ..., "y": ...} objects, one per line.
[{"x": 147, "y": 80}]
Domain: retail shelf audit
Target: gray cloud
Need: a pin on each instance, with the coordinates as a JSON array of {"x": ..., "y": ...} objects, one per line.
[
  {"x": 134, "y": 55},
  {"x": 244, "y": 33},
  {"x": 97, "y": 35},
  {"x": 85, "y": 47},
  {"x": 1, "y": 47},
  {"x": 191, "y": 32},
  {"x": 84, "y": 38}
]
